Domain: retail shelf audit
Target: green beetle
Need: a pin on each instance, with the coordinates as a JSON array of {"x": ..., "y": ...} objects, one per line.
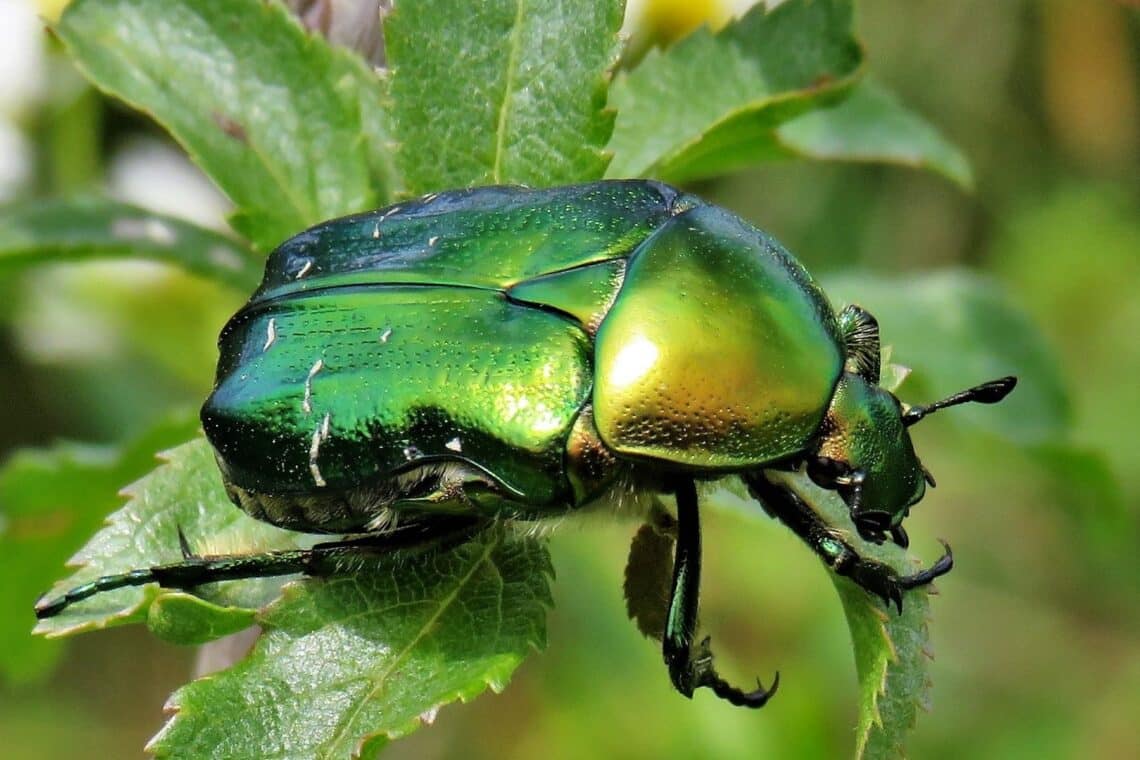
[{"x": 411, "y": 374}]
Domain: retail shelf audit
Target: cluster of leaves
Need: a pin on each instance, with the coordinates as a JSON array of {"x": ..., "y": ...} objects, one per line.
[{"x": 295, "y": 131}]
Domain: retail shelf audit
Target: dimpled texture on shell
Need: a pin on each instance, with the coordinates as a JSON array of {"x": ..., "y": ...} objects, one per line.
[
  {"x": 720, "y": 351},
  {"x": 410, "y": 334}
]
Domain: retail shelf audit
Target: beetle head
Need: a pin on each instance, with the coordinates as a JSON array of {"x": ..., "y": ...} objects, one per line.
[{"x": 864, "y": 451}]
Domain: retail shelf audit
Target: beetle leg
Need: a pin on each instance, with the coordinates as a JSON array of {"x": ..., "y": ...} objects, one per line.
[
  {"x": 872, "y": 576},
  {"x": 321, "y": 559},
  {"x": 691, "y": 668}
]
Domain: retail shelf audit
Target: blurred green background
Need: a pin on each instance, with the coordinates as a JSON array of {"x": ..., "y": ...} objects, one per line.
[{"x": 1037, "y": 631}]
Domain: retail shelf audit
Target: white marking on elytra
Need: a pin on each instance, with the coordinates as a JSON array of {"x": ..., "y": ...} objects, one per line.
[
  {"x": 376, "y": 231},
  {"x": 455, "y": 444},
  {"x": 270, "y": 333},
  {"x": 433, "y": 240},
  {"x": 429, "y": 197},
  {"x": 307, "y": 401},
  {"x": 304, "y": 269},
  {"x": 386, "y": 334},
  {"x": 320, "y": 435}
]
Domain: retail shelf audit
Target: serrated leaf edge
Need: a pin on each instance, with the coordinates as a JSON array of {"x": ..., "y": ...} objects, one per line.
[
  {"x": 310, "y": 40},
  {"x": 922, "y": 700},
  {"x": 81, "y": 559},
  {"x": 497, "y": 681}
]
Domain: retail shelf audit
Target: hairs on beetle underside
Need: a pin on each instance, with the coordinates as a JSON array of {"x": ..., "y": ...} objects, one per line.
[
  {"x": 385, "y": 521},
  {"x": 537, "y": 528}
]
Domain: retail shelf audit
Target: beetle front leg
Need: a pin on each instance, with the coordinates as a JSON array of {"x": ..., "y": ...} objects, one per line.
[
  {"x": 691, "y": 668},
  {"x": 872, "y": 576}
]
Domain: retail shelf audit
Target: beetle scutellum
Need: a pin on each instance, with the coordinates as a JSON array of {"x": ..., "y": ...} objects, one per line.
[{"x": 411, "y": 374}]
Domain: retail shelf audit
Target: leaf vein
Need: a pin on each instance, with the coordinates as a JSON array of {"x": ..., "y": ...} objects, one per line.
[
  {"x": 377, "y": 681},
  {"x": 505, "y": 106}
]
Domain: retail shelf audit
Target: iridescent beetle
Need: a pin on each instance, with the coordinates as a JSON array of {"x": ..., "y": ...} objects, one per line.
[{"x": 409, "y": 375}]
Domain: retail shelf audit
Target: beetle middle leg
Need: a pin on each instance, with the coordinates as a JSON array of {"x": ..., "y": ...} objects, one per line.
[
  {"x": 691, "y": 667},
  {"x": 871, "y": 575}
]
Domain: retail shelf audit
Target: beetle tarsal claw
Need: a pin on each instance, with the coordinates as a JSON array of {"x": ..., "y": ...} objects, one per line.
[
  {"x": 888, "y": 586},
  {"x": 944, "y": 565},
  {"x": 706, "y": 676},
  {"x": 756, "y": 698}
]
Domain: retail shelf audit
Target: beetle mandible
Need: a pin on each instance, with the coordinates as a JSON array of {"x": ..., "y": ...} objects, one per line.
[{"x": 409, "y": 375}]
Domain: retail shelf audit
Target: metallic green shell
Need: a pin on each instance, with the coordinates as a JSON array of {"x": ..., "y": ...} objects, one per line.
[
  {"x": 486, "y": 237},
  {"x": 451, "y": 328},
  {"x": 460, "y": 328},
  {"x": 720, "y": 351},
  {"x": 333, "y": 390}
]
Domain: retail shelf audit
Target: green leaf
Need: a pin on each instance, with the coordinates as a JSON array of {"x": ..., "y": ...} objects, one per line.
[
  {"x": 40, "y": 232},
  {"x": 710, "y": 103},
  {"x": 506, "y": 91},
  {"x": 892, "y": 651},
  {"x": 183, "y": 493},
  {"x": 51, "y": 500},
  {"x": 182, "y": 618},
  {"x": 288, "y": 126},
  {"x": 872, "y": 126},
  {"x": 351, "y": 661},
  {"x": 956, "y": 329}
]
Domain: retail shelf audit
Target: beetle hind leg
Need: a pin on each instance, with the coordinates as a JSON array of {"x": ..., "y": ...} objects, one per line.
[
  {"x": 438, "y": 531},
  {"x": 691, "y": 667}
]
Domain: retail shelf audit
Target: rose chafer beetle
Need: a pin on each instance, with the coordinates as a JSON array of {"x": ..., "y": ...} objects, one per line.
[{"x": 409, "y": 375}]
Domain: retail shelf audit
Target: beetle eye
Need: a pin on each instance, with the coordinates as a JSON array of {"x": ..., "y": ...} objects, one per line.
[{"x": 828, "y": 473}]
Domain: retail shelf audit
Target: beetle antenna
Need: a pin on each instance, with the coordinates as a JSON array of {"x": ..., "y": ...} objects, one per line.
[{"x": 986, "y": 393}]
